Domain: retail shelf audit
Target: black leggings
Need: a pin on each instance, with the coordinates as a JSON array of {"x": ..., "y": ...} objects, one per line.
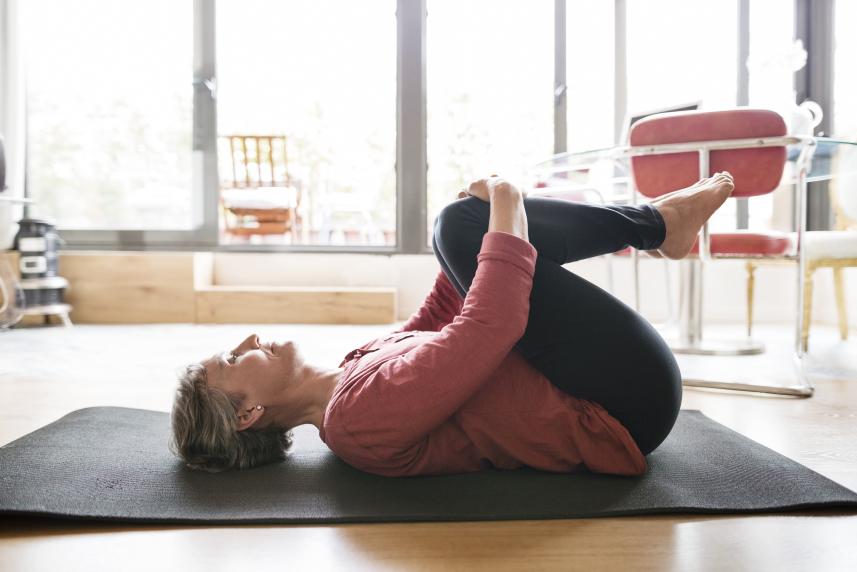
[{"x": 581, "y": 338}]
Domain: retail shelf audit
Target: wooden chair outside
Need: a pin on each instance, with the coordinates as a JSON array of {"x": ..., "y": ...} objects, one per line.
[{"x": 256, "y": 186}]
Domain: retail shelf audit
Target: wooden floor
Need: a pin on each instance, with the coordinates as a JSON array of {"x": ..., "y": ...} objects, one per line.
[{"x": 45, "y": 373}]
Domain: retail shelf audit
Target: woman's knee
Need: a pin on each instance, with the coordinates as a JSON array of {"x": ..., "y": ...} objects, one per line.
[{"x": 461, "y": 218}]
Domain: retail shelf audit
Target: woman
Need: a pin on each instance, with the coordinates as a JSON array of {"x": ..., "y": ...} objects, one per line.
[{"x": 511, "y": 360}]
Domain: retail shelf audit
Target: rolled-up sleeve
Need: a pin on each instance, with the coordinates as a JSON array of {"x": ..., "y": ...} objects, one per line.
[{"x": 409, "y": 396}]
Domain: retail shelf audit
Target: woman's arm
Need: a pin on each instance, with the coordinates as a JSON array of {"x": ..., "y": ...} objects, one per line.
[
  {"x": 410, "y": 395},
  {"x": 507, "y": 214},
  {"x": 439, "y": 308}
]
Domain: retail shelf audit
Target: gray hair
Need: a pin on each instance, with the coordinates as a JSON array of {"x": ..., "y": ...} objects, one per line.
[{"x": 205, "y": 429}]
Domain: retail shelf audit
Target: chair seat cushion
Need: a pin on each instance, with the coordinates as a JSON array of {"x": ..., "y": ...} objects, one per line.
[
  {"x": 260, "y": 198},
  {"x": 819, "y": 244},
  {"x": 745, "y": 243},
  {"x": 831, "y": 244}
]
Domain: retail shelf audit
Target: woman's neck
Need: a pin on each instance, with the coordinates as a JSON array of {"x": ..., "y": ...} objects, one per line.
[{"x": 306, "y": 400}]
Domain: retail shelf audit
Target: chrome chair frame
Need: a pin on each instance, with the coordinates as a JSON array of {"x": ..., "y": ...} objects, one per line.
[{"x": 690, "y": 301}]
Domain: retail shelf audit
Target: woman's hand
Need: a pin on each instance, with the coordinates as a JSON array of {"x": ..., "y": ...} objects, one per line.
[
  {"x": 486, "y": 189},
  {"x": 507, "y": 205}
]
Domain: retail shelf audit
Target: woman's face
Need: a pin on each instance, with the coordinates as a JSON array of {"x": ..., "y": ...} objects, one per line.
[{"x": 258, "y": 370}]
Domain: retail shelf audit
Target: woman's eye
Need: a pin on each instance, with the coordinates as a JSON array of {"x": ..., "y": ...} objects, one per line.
[{"x": 232, "y": 357}]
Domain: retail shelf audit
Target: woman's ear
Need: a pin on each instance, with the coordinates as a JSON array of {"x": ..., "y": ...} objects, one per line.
[{"x": 247, "y": 418}]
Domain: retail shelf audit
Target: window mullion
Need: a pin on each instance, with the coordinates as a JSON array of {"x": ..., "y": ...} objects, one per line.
[
  {"x": 411, "y": 162},
  {"x": 742, "y": 208},
  {"x": 205, "y": 178},
  {"x": 560, "y": 94}
]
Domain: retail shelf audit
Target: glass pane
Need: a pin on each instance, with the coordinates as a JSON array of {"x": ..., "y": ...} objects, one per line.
[
  {"x": 774, "y": 57},
  {"x": 773, "y": 54},
  {"x": 669, "y": 63},
  {"x": 589, "y": 74},
  {"x": 320, "y": 76},
  {"x": 109, "y": 112},
  {"x": 490, "y": 92},
  {"x": 845, "y": 72}
]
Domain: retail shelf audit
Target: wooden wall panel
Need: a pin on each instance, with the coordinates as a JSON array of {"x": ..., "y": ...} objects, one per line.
[
  {"x": 176, "y": 287},
  {"x": 129, "y": 287},
  {"x": 282, "y": 305}
]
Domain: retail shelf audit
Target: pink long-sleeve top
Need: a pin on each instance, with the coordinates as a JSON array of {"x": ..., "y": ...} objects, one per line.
[{"x": 449, "y": 393}]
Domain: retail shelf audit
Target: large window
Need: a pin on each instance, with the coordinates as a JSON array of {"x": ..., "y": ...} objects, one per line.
[
  {"x": 774, "y": 58},
  {"x": 844, "y": 75},
  {"x": 681, "y": 51},
  {"x": 123, "y": 98},
  {"x": 590, "y": 74},
  {"x": 489, "y": 92},
  {"x": 774, "y": 55},
  {"x": 109, "y": 112},
  {"x": 322, "y": 75}
]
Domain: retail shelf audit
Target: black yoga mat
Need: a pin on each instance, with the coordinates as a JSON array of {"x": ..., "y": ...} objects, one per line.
[{"x": 112, "y": 463}]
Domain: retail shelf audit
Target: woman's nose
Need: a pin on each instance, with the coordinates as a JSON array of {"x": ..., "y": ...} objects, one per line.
[{"x": 251, "y": 341}]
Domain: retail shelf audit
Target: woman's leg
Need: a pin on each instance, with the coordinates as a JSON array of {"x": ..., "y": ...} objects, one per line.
[
  {"x": 585, "y": 341},
  {"x": 563, "y": 231}
]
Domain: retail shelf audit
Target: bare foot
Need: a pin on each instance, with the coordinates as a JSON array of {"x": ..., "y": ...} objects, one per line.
[
  {"x": 657, "y": 200},
  {"x": 685, "y": 211},
  {"x": 661, "y": 198}
]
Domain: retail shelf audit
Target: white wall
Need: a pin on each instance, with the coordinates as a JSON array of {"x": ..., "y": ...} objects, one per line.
[{"x": 413, "y": 275}]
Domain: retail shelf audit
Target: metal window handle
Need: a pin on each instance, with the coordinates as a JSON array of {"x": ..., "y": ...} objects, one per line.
[{"x": 209, "y": 84}]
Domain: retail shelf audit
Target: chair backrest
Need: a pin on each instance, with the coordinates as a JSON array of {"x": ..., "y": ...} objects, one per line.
[
  {"x": 253, "y": 161},
  {"x": 756, "y": 171}
]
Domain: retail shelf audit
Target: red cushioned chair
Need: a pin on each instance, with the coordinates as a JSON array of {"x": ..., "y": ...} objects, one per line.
[{"x": 750, "y": 144}]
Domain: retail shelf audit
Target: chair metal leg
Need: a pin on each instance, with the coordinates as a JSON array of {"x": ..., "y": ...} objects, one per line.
[
  {"x": 690, "y": 319},
  {"x": 796, "y": 390},
  {"x": 839, "y": 286},
  {"x": 751, "y": 285},
  {"x": 635, "y": 261},
  {"x": 799, "y": 385},
  {"x": 611, "y": 286},
  {"x": 668, "y": 289},
  {"x": 807, "y": 306},
  {"x": 690, "y": 342}
]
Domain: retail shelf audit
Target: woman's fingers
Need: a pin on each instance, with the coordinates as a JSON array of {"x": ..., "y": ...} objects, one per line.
[
  {"x": 479, "y": 189},
  {"x": 484, "y": 188}
]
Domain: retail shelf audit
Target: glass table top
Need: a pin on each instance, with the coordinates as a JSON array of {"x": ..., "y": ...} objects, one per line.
[{"x": 606, "y": 170}]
